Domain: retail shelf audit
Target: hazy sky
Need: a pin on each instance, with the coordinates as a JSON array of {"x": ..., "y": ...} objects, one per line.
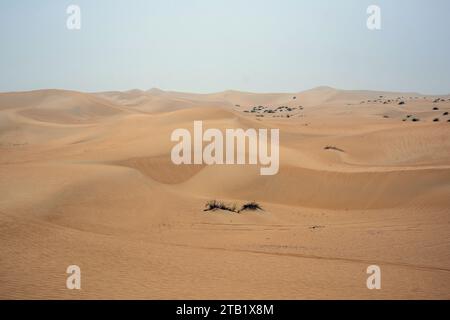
[{"x": 214, "y": 45}]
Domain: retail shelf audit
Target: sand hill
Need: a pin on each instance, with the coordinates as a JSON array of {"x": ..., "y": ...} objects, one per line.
[{"x": 86, "y": 179}]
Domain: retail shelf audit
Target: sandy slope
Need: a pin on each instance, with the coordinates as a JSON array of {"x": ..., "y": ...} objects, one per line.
[{"x": 87, "y": 179}]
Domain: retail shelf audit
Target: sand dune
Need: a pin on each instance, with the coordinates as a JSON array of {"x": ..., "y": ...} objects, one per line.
[
  {"x": 86, "y": 179},
  {"x": 59, "y": 106}
]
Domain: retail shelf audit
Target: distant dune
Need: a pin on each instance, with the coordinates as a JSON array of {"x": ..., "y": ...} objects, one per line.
[{"x": 86, "y": 179}]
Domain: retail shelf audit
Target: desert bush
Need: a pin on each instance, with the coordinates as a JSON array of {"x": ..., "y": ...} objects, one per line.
[
  {"x": 251, "y": 206},
  {"x": 333, "y": 148},
  {"x": 214, "y": 205}
]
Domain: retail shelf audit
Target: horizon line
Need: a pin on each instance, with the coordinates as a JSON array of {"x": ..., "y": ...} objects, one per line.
[{"x": 322, "y": 87}]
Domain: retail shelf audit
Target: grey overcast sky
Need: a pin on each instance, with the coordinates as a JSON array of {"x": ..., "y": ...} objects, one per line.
[{"x": 207, "y": 46}]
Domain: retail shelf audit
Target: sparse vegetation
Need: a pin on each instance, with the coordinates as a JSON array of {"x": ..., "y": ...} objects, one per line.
[
  {"x": 215, "y": 205},
  {"x": 288, "y": 111},
  {"x": 333, "y": 148},
  {"x": 251, "y": 206},
  {"x": 436, "y": 120}
]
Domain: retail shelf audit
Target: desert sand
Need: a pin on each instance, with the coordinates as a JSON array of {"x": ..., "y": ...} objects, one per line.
[{"x": 86, "y": 179}]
